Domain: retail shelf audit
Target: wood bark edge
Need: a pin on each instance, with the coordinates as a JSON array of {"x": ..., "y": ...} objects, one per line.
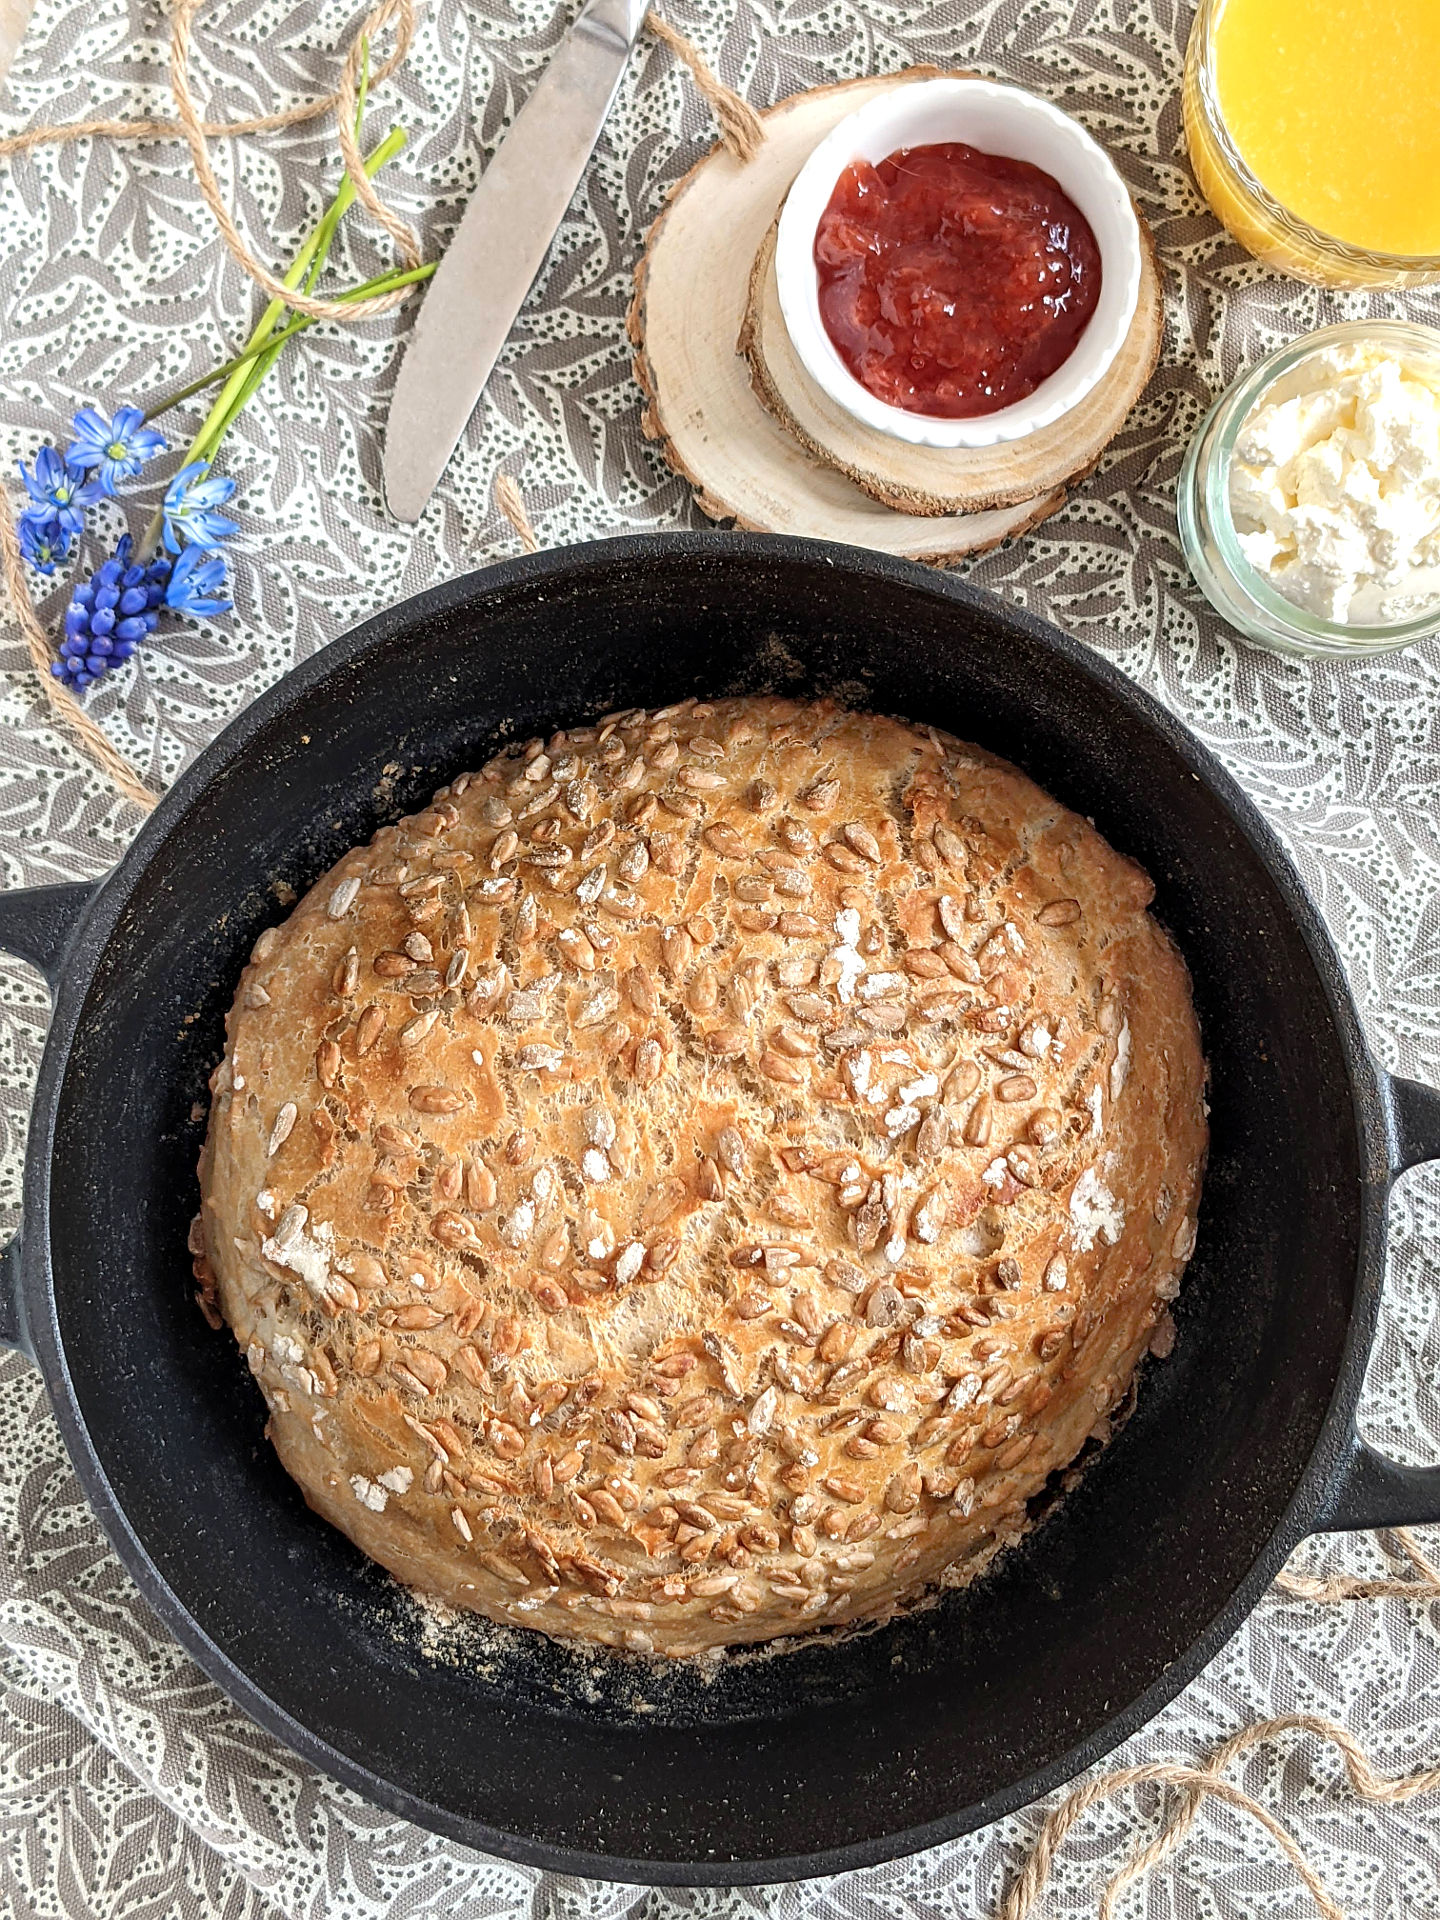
[
  {"x": 1051, "y": 466},
  {"x": 722, "y": 487}
]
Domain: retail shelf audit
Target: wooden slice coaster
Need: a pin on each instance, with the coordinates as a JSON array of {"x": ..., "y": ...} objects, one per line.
[
  {"x": 938, "y": 480},
  {"x": 692, "y": 286}
]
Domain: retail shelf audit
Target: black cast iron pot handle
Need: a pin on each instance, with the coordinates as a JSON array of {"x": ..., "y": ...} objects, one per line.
[
  {"x": 1369, "y": 1490},
  {"x": 36, "y": 924}
]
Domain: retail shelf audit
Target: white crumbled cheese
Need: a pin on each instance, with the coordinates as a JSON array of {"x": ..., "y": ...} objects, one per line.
[
  {"x": 1120, "y": 1065},
  {"x": 368, "y": 1493},
  {"x": 398, "y": 1479},
  {"x": 1335, "y": 487},
  {"x": 1094, "y": 1213},
  {"x": 846, "y": 955}
]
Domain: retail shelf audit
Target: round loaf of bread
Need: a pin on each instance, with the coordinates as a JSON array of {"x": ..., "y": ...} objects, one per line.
[{"x": 699, "y": 1179}]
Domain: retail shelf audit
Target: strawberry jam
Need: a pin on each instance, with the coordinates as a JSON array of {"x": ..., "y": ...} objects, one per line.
[{"x": 952, "y": 282}]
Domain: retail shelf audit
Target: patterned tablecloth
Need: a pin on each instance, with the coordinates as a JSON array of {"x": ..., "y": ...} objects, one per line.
[{"x": 130, "y": 1786}]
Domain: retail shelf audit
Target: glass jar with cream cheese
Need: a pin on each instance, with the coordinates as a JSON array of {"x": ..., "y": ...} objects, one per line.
[{"x": 1309, "y": 501}]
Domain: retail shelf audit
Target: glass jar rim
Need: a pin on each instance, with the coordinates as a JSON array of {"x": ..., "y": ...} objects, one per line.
[
  {"x": 1410, "y": 340},
  {"x": 1300, "y": 231}
]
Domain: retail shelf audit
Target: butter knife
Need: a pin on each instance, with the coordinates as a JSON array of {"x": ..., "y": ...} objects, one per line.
[{"x": 499, "y": 248}]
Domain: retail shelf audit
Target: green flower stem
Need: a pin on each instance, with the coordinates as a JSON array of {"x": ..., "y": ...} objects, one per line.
[
  {"x": 382, "y": 283},
  {"x": 242, "y": 375},
  {"x": 305, "y": 271}
]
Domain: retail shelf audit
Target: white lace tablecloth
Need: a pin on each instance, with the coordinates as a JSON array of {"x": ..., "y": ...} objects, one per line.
[{"x": 128, "y": 1784}]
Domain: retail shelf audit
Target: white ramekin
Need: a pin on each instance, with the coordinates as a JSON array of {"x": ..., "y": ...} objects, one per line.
[{"x": 994, "y": 119}]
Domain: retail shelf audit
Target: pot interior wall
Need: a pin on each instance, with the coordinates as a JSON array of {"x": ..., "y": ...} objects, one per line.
[{"x": 839, "y": 1745}]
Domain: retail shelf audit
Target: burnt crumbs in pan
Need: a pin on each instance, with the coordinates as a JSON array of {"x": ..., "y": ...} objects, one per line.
[{"x": 697, "y": 1180}]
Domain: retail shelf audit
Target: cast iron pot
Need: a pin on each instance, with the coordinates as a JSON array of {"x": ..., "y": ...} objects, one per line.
[{"x": 843, "y": 1753}]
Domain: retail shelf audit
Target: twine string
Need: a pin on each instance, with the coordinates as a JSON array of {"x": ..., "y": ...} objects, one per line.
[
  {"x": 1024, "y": 1896},
  {"x": 1350, "y": 1586},
  {"x": 511, "y": 503},
  {"x": 111, "y": 762},
  {"x": 1196, "y": 1784},
  {"x": 741, "y": 127},
  {"x": 348, "y": 312},
  {"x": 1367, "y": 1782},
  {"x": 402, "y": 12},
  {"x": 160, "y": 129}
]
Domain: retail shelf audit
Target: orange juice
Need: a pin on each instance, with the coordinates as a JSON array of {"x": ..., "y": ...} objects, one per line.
[{"x": 1334, "y": 108}]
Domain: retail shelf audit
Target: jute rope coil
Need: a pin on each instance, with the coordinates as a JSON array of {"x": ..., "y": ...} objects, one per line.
[
  {"x": 1197, "y": 1784},
  {"x": 739, "y": 126}
]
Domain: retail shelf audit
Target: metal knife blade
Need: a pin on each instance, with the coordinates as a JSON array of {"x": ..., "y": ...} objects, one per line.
[{"x": 499, "y": 247}]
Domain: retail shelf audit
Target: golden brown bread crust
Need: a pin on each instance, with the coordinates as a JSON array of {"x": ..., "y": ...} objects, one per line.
[{"x": 695, "y": 1181}]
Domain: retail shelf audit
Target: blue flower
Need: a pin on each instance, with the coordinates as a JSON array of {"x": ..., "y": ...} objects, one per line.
[
  {"x": 59, "y": 490},
  {"x": 195, "y": 581},
  {"x": 43, "y": 540},
  {"x": 108, "y": 616},
  {"x": 117, "y": 448},
  {"x": 190, "y": 504}
]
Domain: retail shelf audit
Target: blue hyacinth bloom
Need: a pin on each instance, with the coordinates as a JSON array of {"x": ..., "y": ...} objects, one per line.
[
  {"x": 195, "y": 582},
  {"x": 114, "y": 450},
  {"x": 190, "y": 503},
  {"x": 108, "y": 616},
  {"x": 59, "y": 490},
  {"x": 43, "y": 540}
]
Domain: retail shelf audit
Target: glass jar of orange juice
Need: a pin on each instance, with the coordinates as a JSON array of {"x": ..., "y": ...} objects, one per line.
[{"x": 1314, "y": 132}]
